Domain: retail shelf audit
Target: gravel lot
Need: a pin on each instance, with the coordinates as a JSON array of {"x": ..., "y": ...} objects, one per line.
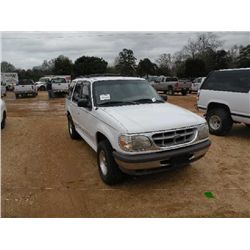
[{"x": 46, "y": 174}]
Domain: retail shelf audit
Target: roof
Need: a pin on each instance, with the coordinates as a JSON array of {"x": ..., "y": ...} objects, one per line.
[{"x": 107, "y": 78}]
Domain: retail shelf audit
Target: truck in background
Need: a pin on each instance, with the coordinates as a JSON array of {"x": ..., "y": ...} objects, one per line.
[
  {"x": 171, "y": 85},
  {"x": 60, "y": 85},
  {"x": 25, "y": 87}
]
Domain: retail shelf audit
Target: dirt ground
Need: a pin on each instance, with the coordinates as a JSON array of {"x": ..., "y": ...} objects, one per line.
[{"x": 46, "y": 174}]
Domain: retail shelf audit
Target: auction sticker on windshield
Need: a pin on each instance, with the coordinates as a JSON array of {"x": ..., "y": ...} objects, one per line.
[{"x": 105, "y": 97}]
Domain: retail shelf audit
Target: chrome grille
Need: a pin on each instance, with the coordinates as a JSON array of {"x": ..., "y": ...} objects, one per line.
[{"x": 174, "y": 137}]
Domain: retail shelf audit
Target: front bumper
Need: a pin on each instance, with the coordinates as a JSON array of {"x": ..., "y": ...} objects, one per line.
[{"x": 160, "y": 161}]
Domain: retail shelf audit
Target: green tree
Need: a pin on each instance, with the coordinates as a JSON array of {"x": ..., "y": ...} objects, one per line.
[
  {"x": 165, "y": 64},
  {"x": 195, "y": 68},
  {"x": 87, "y": 65},
  {"x": 7, "y": 67},
  {"x": 243, "y": 59},
  {"x": 146, "y": 67},
  {"x": 62, "y": 66},
  {"x": 126, "y": 62}
]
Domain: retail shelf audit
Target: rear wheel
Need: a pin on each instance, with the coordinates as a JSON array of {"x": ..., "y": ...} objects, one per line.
[
  {"x": 170, "y": 91},
  {"x": 184, "y": 92},
  {"x": 108, "y": 168},
  {"x": 72, "y": 131},
  {"x": 219, "y": 121}
]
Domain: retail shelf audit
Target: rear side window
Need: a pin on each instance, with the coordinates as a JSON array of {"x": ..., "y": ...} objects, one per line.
[{"x": 232, "y": 81}]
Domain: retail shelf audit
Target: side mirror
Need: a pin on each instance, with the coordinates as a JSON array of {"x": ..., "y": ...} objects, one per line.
[
  {"x": 83, "y": 102},
  {"x": 164, "y": 97}
]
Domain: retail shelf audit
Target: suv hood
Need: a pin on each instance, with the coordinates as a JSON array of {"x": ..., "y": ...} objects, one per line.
[{"x": 152, "y": 117}]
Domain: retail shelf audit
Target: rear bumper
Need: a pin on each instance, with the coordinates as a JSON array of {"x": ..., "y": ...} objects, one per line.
[
  {"x": 60, "y": 90},
  {"x": 25, "y": 92},
  {"x": 138, "y": 164}
]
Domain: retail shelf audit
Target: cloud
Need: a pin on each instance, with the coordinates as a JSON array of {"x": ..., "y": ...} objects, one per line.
[{"x": 28, "y": 49}]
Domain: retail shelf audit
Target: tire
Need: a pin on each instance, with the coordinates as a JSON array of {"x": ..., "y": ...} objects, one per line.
[
  {"x": 3, "y": 122},
  {"x": 108, "y": 168},
  {"x": 184, "y": 92},
  {"x": 219, "y": 121},
  {"x": 248, "y": 125},
  {"x": 170, "y": 91},
  {"x": 72, "y": 131},
  {"x": 17, "y": 96}
]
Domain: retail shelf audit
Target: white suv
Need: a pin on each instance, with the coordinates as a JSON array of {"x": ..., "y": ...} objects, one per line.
[
  {"x": 131, "y": 127},
  {"x": 225, "y": 98}
]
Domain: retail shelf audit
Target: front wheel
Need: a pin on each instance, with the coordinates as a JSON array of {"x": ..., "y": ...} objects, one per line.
[
  {"x": 3, "y": 120},
  {"x": 42, "y": 88},
  {"x": 108, "y": 168},
  {"x": 219, "y": 121},
  {"x": 72, "y": 131}
]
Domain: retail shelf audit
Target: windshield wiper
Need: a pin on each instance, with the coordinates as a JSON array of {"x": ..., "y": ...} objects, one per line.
[
  {"x": 113, "y": 103},
  {"x": 147, "y": 100}
]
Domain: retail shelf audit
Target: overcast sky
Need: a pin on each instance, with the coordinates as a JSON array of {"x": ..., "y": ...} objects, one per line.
[{"x": 28, "y": 49}]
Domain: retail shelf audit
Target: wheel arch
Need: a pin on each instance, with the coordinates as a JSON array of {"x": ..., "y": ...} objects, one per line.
[{"x": 213, "y": 105}]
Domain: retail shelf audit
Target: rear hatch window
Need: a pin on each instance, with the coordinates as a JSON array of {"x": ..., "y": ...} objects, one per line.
[{"x": 233, "y": 81}]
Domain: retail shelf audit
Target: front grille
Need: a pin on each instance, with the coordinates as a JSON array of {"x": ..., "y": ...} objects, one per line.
[{"x": 174, "y": 137}]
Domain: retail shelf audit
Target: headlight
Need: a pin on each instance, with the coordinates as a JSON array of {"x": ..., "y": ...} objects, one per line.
[
  {"x": 203, "y": 132},
  {"x": 135, "y": 143}
]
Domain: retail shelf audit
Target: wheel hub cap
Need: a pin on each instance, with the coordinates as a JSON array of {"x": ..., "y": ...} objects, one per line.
[
  {"x": 215, "y": 122},
  {"x": 103, "y": 162}
]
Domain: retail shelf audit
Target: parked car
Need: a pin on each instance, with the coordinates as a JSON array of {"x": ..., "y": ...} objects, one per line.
[
  {"x": 3, "y": 89},
  {"x": 59, "y": 85},
  {"x": 25, "y": 87},
  {"x": 42, "y": 83},
  {"x": 170, "y": 85},
  {"x": 225, "y": 99},
  {"x": 128, "y": 124},
  {"x": 3, "y": 113},
  {"x": 197, "y": 83}
]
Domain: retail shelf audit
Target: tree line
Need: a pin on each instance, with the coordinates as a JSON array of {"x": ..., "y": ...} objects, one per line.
[{"x": 197, "y": 58}]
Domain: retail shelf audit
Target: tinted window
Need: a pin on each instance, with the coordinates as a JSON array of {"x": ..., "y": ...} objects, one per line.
[
  {"x": 58, "y": 80},
  {"x": 233, "y": 81}
]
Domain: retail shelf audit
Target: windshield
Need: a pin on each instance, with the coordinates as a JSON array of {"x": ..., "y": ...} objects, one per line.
[{"x": 118, "y": 92}]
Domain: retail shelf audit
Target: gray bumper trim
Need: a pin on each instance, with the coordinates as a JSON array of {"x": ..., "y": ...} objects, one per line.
[{"x": 161, "y": 155}]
